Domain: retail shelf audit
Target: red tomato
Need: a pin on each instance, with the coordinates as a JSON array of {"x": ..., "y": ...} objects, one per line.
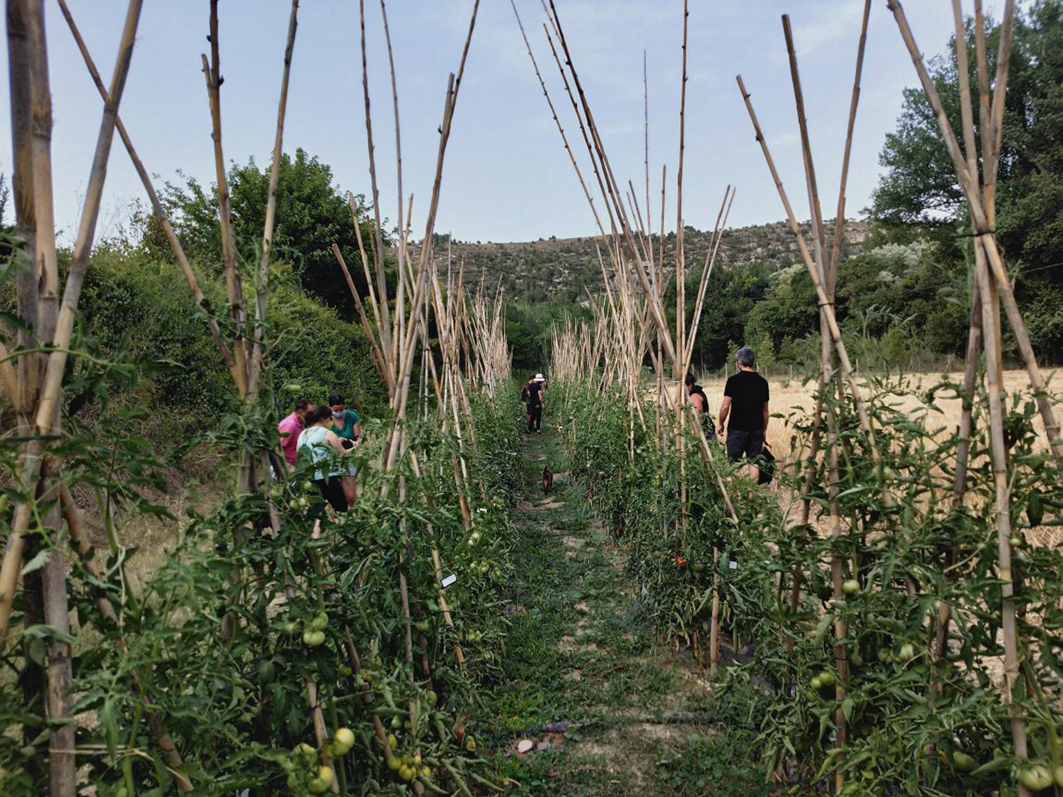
[{"x": 680, "y": 561}]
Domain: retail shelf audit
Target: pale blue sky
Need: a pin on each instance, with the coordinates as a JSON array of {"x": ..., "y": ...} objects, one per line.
[{"x": 507, "y": 176}]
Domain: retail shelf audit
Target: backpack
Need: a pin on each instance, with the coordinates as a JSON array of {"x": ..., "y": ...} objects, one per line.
[
  {"x": 767, "y": 465},
  {"x": 524, "y": 395}
]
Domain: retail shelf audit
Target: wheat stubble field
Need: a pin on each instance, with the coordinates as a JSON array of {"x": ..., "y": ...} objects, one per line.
[{"x": 792, "y": 398}]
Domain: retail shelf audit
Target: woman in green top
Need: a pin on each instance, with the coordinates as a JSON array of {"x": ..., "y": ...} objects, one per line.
[
  {"x": 322, "y": 449},
  {"x": 347, "y": 426}
]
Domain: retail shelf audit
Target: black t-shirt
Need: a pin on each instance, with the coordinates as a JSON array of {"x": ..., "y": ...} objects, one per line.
[
  {"x": 749, "y": 393},
  {"x": 535, "y": 397}
]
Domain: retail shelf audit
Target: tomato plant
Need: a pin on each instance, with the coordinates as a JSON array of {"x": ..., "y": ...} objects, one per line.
[{"x": 918, "y": 713}]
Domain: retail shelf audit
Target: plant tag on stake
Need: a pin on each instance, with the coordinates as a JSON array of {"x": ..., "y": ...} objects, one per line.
[
  {"x": 734, "y": 565},
  {"x": 446, "y": 582}
]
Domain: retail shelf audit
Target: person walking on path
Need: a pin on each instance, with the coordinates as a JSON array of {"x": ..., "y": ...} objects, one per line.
[
  {"x": 347, "y": 426},
  {"x": 699, "y": 401},
  {"x": 532, "y": 395},
  {"x": 323, "y": 449},
  {"x": 745, "y": 403},
  {"x": 291, "y": 427}
]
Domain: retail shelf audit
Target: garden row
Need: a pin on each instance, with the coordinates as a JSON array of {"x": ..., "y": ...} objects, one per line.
[{"x": 918, "y": 703}]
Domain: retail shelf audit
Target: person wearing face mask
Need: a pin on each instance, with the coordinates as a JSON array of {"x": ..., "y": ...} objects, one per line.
[{"x": 347, "y": 426}]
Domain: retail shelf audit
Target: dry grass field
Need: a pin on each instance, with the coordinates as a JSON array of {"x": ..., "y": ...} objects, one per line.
[{"x": 789, "y": 397}]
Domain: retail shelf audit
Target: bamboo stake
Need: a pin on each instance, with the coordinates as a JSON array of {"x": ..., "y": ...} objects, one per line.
[
  {"x": 828, "y": 309},
  {"x": 974, "y": 333},
  {"x": 374, "y": 346},
  {"x": 156, "y": 203},
  {"x": 47, "y": 267},
  {"x": 211, "y": 72},
  {"x": 983, "y": 220},
  {"x": 79, "y": 260},
  {"x": 378, "y": 249},
  {"x": 839, "y": 215},
  {"x": 706, "y": 272},
  {"x": 271, "y": 211},
  {"x": 837, "y": 563},
  {"x": 19, "y": 56},
  {"x": 158, "y": 731},
  {"x": 59, "y": 330}
]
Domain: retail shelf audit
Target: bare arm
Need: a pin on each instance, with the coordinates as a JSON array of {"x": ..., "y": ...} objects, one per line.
[
  {"x": 725, "y": 410},
  {"x": 334, "y": 440},
  {"x": 358, "y": 432},
  {"x": 767, "y": 415}
]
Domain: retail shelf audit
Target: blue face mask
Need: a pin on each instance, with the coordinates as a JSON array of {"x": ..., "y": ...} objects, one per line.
[{"x": 338, "y": 415}]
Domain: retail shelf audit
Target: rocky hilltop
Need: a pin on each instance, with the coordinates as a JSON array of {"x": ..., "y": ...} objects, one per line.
[{"x": 555, "y": 268}]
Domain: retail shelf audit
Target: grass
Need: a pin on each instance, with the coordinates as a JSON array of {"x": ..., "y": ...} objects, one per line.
[{"x": 584, "y": 680}]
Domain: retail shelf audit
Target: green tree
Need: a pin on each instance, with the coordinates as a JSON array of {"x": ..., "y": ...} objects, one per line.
[
  {"x": 919, "y": 186},
  {"x": 312, "y": 214}
]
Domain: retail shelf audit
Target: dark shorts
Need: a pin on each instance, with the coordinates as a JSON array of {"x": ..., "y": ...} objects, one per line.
[
  {"x": 535, "y": 416},
  {"x": 744, "y": 445},
  {"x": 332, "y": 491}
]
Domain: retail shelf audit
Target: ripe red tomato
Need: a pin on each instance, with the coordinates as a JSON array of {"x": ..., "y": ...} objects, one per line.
[{"x": 680, "y": 561}]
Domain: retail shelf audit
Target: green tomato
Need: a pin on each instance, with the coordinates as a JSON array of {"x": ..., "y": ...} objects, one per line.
[
  {"x": 826, "y": 678},
  {"x": 1036, "y": 777},
  {"x": 906, "y": 653},
  {"x": 851, "y": 587},
  {"x": 343, "y": 739},
  {"x": 323, "y": 781},
  {"x": 964, "y": 762}
]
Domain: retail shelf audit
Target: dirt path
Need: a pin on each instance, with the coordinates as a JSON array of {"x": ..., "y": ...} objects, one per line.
[{"x": 589, "y": 705}]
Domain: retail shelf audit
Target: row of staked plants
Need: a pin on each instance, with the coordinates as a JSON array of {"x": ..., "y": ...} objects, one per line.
[
  {"x": 915, "y": 720},
  {"x": 226, "y": 657}
]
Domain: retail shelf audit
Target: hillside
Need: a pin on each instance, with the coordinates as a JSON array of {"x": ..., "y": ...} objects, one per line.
[{"x": 538, "y": 271}]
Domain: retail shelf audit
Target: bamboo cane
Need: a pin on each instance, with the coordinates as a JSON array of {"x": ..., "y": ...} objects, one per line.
[
  {"x": 824, "y": 301},
  {"x": 378, "y": 250},
  {"x": 983, "y": 220},
  {"x": 79, "y": 260},
  {"x": 156, "y": 203},
  {"x": 158, "y": 731},
  {"x": 47, "y": 268},
  {"x": 211, "y": 72},
  {"x": 19, "y": 59},
  {"x": 261, "y": 288},
  {"x": 837, "y": 563},
  {"x": 974, "y": 334},
  {"x": 58, "y": 330}
]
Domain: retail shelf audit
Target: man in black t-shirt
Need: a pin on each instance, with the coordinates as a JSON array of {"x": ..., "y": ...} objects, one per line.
[{"x": 745, "y": 400}]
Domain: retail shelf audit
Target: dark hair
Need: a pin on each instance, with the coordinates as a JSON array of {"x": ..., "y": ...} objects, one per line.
[
  {"x": 690, "y": 380},
  {"x": 336, "y": 398},
  {"x": 746, "y": 357},
  {"x": 317, "y": 415},
  {"x": 303, "y": 403}
]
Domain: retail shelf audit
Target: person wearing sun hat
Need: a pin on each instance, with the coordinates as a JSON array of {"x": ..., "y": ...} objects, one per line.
[{"x": 532, "y": 396}]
